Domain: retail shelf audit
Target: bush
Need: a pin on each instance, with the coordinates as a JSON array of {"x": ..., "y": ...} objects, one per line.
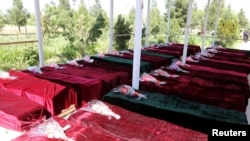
[{"x": 30, "y": 56}]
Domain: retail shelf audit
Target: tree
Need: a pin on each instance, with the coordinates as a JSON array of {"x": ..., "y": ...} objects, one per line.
[
  {"x": 131, "y": 17},
  {"x": 96, "y": 30},
  {"x": 213, "y": 11},
  {"x": 76, "y": 32},
  {"x": 157, "y": 24},
  {"x": 51, "y": 21},
  {"x": 197, "y": 18},
  {"x": 155, "y": 19},
  {"x": 243, "y": 21},
  {"x": 64, "y": 4},
  {"x": 122, "y": 31},
  {"x": 180, "y": 12},
  {"x": 228, "y": 28},
  {"x": 2, "y": 20},
  {"x": 99, "y": 24},
  {"x": 18, "y": 15},
  {"x": 174, "y": 30},
  {"x": 96, "y": 9}
]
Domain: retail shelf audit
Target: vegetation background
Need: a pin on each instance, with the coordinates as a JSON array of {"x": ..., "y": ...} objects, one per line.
[{"x": 73, "y": 33}]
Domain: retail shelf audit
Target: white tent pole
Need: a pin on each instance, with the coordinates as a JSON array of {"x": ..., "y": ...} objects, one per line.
[
  {"x": 217, "y": 20},
  {"x": 189, "y": 16},
  {"x": 111, "y": 26},
  {"x": 39, "y": 33},
  {"x": 168, "y": 23},
  {"x": 205, "y": 27},
  {"x": 147, "y": 24},
  {"x": 137, "y": 44}
]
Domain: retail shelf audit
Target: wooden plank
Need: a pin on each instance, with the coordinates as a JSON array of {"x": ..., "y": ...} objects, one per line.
[{"x": 20, "y": 42}]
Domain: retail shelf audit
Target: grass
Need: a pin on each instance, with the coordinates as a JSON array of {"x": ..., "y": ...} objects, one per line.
[{"x": 12, "y": 56}]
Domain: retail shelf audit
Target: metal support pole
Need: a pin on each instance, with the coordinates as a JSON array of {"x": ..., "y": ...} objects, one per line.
[
  {"x": 205, "y": 27},
  {"x": 216, "y": 23},
  {"x": 137, "y": 45},
  {"x": 111, "y": 26},
  {"x": 189, "y": 16},
  {"x": 39, "y": 33},
  {"x": 168, "y": 23},
  {"x": 147, "y": 25}
]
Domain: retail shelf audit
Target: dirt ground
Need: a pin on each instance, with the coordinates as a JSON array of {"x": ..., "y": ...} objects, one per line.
[{"x": 14, "y": 29}]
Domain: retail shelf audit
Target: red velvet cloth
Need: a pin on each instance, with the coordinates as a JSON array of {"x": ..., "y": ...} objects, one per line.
[
  {"x": 232, "y": 50},
  {"x": 232, "y": 54},
  {"x": 223, "y": 64},
  {"x": 18, "y": 113},
  {"x": 54, "y": 97},
  {"x": 133, "y": 126},
  {"x": 190, "y": 50},
  {"x": 76, "y": 132},
  {"x": 196, "y": 47},
  {"x": 108, "y": 65},
  {"x": 208, "y": 82},
  {"x": 218, "y": 74},
  {"x": 230, "y": 58},
  {"x": 86, "y": 88},
  {"x": 234, "y": 101},
  {"x": 109, "y": 78},
  {"x": 155, "y": 61}
]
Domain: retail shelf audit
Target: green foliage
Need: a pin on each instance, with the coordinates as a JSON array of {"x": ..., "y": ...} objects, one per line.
[
  {"x": 243, "y": 21},
  {"x": 2, "y": 20},
  {"x": 154, "y": 16},
  {"x": 51, "y": 21},
  {"x": 228, "y": 28},
  {"x": 96, "y": 9},
  {"x": 64, "y": 4},
  {"x": 11, "y": 58},
  {"x": 80, "y": 27},
  {"x": 192, "y": 40},
  {"x": 69, "y": 52},
  {"x": 123, "y": 30},
  {"x": 161, "y": 38},
  {"x": 131, "y": 15},
  {"x": 152, "y": 40},
  {"x": 32, "y": 20},
  {"x": 91, "y": 49},
  {"x": 30, "y": 56},
  {"x": 143, "y": 35},
  {"x": 155, "y": 30},
  {"x": 56, "y": 23},
  {"x": 96, "y": 30},
  {"x": 174, "y": 30},
  {"x": 213, "y": 12},
  {"x": 180, "y": 11},
  {"x": 197, "y": 18},
  {"x": 17, "y": 14},
  {"x": 178, "y": 15}
]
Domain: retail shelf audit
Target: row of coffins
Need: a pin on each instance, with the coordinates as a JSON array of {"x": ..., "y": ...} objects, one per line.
[{"x": 214, "y": 96}]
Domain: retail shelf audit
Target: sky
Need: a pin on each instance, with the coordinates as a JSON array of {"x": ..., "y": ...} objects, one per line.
[{"x": 123, "y": 6}]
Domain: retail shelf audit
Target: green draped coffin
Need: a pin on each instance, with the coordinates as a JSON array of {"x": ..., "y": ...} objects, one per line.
[
  {"x": 144, "y": 66},
  {"x": 190, "y": 114}
]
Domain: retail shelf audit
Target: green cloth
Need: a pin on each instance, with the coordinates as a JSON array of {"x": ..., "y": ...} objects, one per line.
[
  {"x": 190, "y": 114},
  {"x": 248, "y": 53},
  {"x": 170, "y": 57},
  {"x": 144, "y": 66}
]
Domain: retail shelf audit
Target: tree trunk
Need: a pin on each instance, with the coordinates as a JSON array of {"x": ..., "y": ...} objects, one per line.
[
  {"x": 26, "y": 32},
  {"x": 19, "y": 29}
]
